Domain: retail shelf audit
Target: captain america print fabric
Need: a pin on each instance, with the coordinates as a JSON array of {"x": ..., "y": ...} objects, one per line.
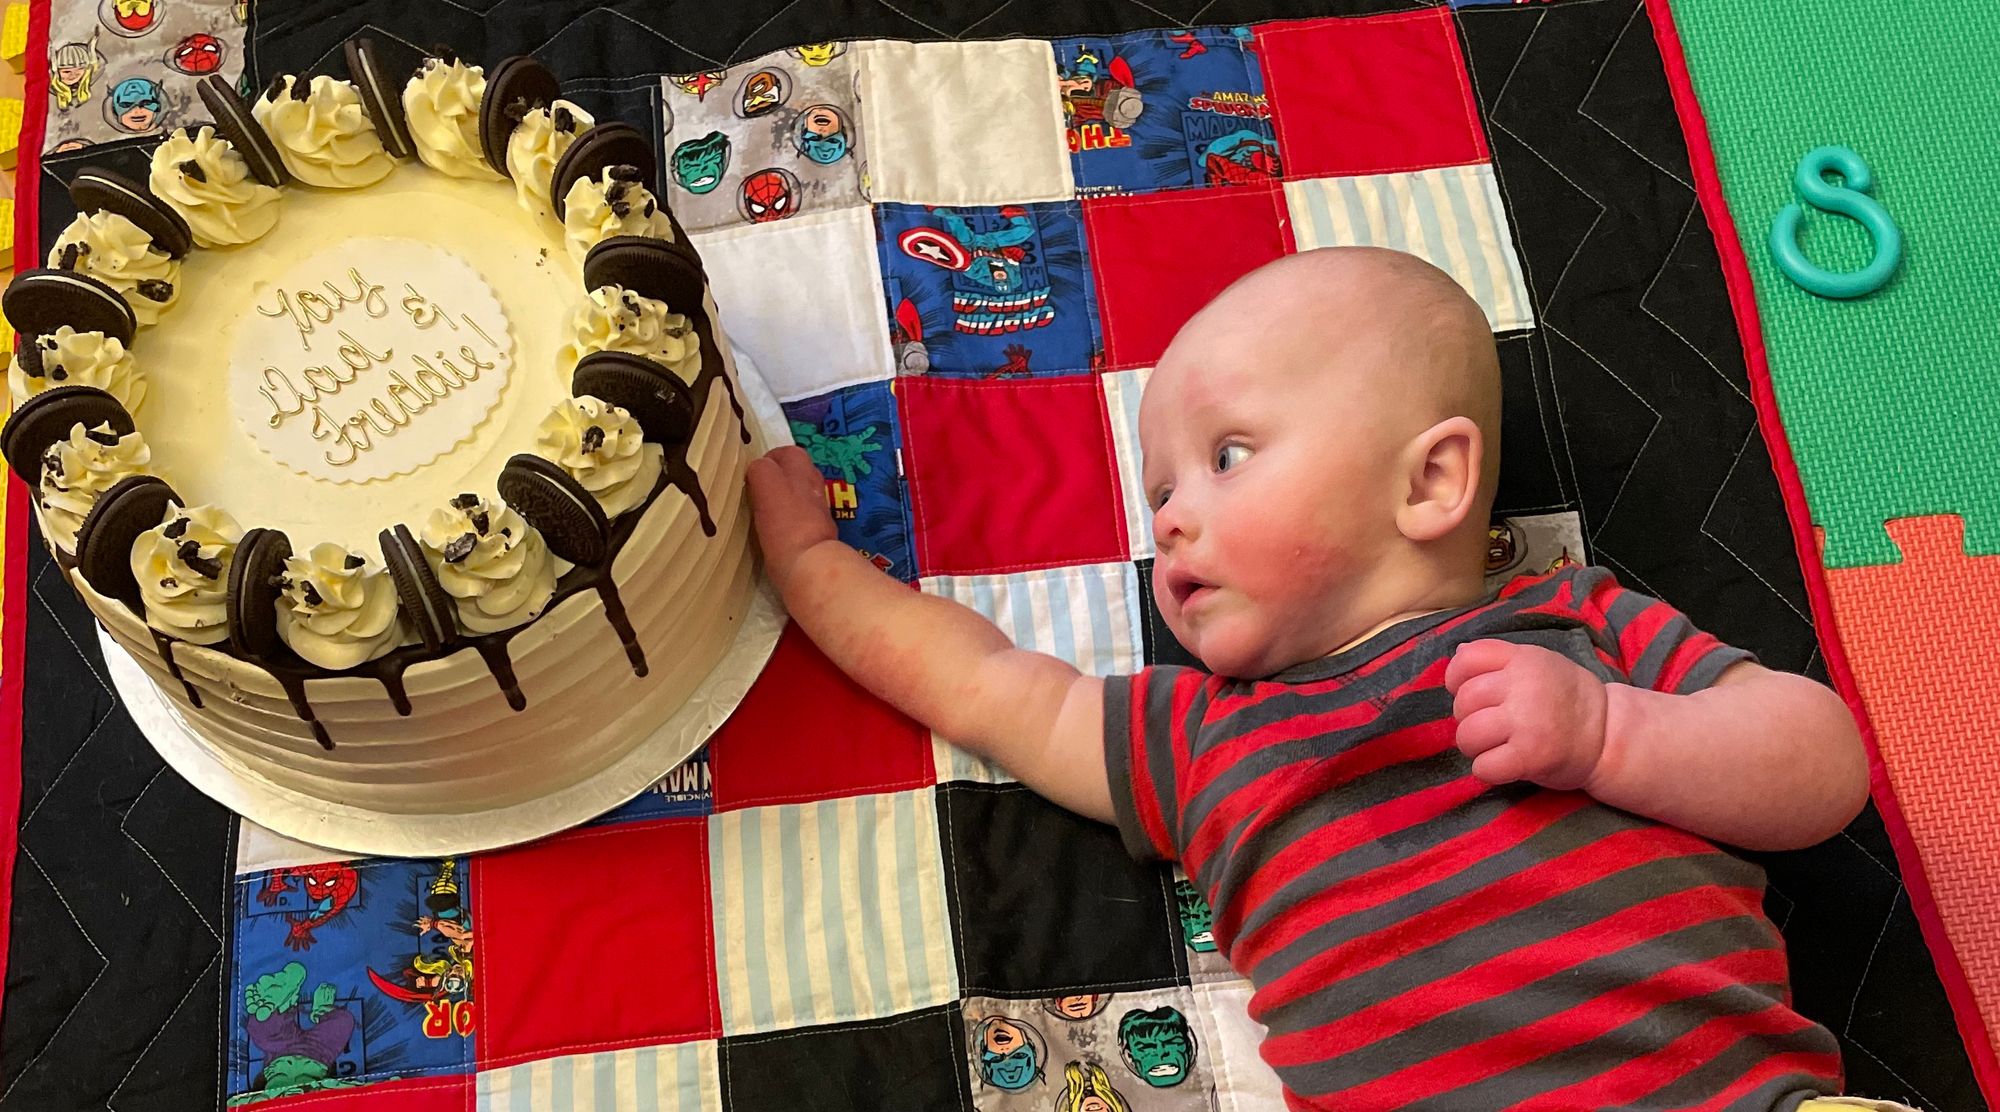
[{"x": 988, "y": 292}]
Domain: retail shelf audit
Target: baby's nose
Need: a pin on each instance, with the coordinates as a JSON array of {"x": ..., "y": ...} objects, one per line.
[{"x": 1172, "y": 524}]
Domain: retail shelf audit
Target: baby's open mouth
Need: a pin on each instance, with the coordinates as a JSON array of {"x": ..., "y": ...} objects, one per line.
[{"x": 1186, "y": 589}]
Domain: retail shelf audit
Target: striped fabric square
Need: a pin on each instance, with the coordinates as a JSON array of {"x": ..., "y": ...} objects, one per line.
[
  {"x": 679, "y": 1078},
  {"x": 1451, "y": 218},
  {"x": 1087, "y": 615},
  {"x": 830, "y": 911},
  {"x": 1122, "y": 390}
]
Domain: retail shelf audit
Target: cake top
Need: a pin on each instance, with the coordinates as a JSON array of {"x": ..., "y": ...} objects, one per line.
[{"x": 397, "y": 420}]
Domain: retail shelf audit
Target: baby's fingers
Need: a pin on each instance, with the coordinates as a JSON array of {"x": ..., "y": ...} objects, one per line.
[
  {"x": 1476, "y": 659},
  {"x": 1500, "y": 766},
  {"x": 1484, "y": 731},
  {"x": 799, "y": 470}
]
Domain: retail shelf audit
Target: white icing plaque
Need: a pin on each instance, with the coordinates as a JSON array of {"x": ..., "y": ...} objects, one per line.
[{"x": 369, "y": 359}]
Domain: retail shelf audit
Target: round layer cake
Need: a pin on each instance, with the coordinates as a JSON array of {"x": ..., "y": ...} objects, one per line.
[{"x": 390, "y": 426}]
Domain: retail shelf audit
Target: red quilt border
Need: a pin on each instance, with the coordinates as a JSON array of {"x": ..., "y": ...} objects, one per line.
[
  {"x": 1743, "y": 302},
  {"x": 14, "y": 611}
]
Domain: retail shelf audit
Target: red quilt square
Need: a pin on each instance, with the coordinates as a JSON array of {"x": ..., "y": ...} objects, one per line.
[
  {"x": 1160, "y": 257},
  {"x": 1010, "y": 475},
  {"x": 1381, "y": 95},
  {"x": 807, "y": 732},
  {"x": 595, "y": 940}
]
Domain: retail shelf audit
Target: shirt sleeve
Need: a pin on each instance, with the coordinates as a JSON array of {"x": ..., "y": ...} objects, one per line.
[
  {"x": 1655, "y": 645},
  {"x": 1148, "y": 722}
]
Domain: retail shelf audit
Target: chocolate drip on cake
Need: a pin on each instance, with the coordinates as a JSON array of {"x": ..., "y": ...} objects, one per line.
[
  {"x": 681, "y": 475},
  {"x": 711, "y": 370},
  {"x": 614, "y": 611},
  {"x": 493, "y": 649},
  {"x": 294, "y": 684},
  {"x": 164, "y": 645},
  {"x": 392, "y": 686}
]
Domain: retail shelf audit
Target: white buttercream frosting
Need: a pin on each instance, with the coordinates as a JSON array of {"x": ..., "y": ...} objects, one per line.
[
  {"x": 596, "y": 210},
  {"x": 336, "y": 610},
  {"x": 183, "y": 572},
  {"x": 603, "y": 449},
  {"x": 612, "y": 318},
  {"x": 495, "y": 566},
  {"x": 75, "y": 471},
  {"x": 534, "y": 148},
  {"x": 72, "y": 358},
  {"x": 325, "y": 138},
  {"x": 442, "y": 103},
  {"x": 121, "y": 255},
  {"x": 203, "y": 178}
]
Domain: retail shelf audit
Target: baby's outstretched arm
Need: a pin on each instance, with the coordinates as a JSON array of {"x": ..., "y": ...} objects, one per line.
[
  {"x": 938, "y": 662},
  {"x": 1763, "y": 760}
]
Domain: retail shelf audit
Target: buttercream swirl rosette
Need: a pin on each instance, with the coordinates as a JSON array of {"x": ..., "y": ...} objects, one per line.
[
  {"x": 77, "y": 470},
  {"x": 203, "y": 178},
  {"x": 118, "y": 253},
  {"x": 182, "y": 565},
  {"x": 335, "y": 610},
  {"x": 322, "y": 133},
  {"x": 612, "y": 318},
  {"x": 67, "y": 357}
]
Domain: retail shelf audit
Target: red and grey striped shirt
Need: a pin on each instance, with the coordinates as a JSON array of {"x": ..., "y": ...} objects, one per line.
[{"x": 1418, "y": 939}]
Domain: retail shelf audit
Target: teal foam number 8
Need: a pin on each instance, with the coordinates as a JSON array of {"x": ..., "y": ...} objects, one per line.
[{"x": 1849, "y": 199}]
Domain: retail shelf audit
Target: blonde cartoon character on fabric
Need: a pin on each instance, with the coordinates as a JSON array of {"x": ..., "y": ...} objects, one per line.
[
  {"x": 1089, "y": 1090},
  {"x": 817, "y": 54},
  {"x": 72, "y": 67}
]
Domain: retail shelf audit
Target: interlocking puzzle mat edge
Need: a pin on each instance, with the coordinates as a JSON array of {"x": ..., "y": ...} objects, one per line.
[{"x": 1848, "y": 678}]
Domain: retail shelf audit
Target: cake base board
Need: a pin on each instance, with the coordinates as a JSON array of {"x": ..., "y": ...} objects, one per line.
[{"x": 351, "y": 829}]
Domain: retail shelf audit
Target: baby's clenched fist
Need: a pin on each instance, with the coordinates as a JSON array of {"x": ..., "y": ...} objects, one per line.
[{"x": 1525, "y": 713}]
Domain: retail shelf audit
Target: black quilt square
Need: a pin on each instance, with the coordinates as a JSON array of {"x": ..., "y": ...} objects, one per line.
[
  {"x": 1044, "y": 902},
  {"x": 913, "y": 1062},
  {"x": 1160, "y": 645}
]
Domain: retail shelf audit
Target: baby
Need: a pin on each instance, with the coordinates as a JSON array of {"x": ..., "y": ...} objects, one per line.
[{"x": 1461, "y": 842}]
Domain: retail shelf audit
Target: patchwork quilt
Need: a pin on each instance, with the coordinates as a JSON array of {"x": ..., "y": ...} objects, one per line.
[{"x": 955, "y": 237}]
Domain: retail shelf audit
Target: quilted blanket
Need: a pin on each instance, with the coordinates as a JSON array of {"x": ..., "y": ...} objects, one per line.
[{"x": 955, "y": 236}]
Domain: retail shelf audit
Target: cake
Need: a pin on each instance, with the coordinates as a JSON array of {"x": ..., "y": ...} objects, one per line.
[{"x": 390, "y": 426}]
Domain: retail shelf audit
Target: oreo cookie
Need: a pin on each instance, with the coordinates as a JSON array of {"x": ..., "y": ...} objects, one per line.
[
  {"x": 654, "y": 396},
  {"x": 234, "y": 122},
  {"x": 98, "y": 190},
  {"x": 46, "y": 419},
  {"x": 569, "y": 519},
  {"x": 39, "y": 301},
  {"x": 516, "y": 87},
  {"x": 380, "y": 83},
  {"x": 426, "y": 606},
  {"x": 650, "y": 268},
  {"x": 613, "y": 144},
  {"x": 256, "y": 576},
  {"x": 126, "y": 509}
]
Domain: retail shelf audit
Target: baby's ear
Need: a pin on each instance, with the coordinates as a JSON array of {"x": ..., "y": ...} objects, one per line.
[{"x": 1442, "y": 478}]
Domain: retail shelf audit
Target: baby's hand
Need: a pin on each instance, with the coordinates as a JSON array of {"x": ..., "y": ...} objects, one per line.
[
  {"x": 1525, "y": 713},
  {"x": 788, "y": 498}
]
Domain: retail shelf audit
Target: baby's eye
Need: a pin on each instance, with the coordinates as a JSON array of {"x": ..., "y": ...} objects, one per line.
[
  {"x": 1229, "y": 455},
  {"x": 1160, "y": 499}
]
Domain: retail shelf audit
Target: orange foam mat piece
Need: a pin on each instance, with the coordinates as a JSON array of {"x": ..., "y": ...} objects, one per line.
[{"x": 1923, "y": 640}]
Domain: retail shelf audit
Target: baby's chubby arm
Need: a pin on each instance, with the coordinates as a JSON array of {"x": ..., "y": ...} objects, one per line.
[
  {"x": 936, "y": 661},
  {"x": 1762, "y": 760}
]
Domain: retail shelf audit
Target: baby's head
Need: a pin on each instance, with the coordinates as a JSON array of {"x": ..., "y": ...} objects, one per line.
[{"x": 1320, "y": 446}]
